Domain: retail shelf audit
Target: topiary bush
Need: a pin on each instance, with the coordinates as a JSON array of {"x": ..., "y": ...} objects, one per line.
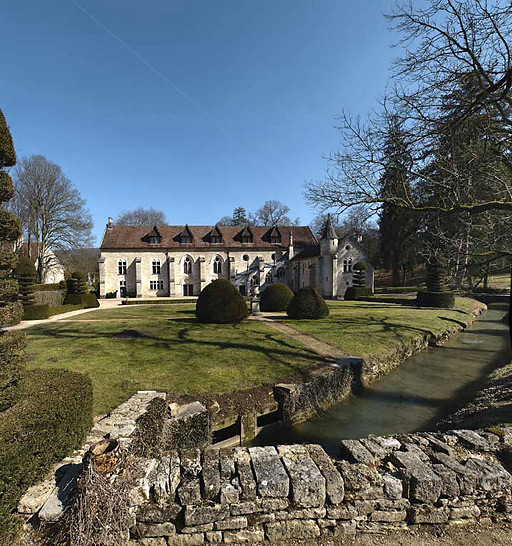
[
  {"x": 221, "y": 303},
  {"x": 36, "y": 312},
  {"x": 25, "y": 273},
  {"x": 90, "y": 300},
  {"x": 10, "y": 308},
  {"x": 276, "y": 297},
  {"x": 359, "y": 274},
  {"x": 51, "y": 419},
  {"x": 437, "y": 294},
  {"x": 76, "y": 283},
  {"x": 354, "y": 292},
  {"x": 307, "y": 303}
]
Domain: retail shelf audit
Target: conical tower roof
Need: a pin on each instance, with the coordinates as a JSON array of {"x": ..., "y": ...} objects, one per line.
[{"x": 329, "y": 232}]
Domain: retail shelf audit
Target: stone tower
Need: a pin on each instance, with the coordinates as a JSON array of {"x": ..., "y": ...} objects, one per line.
[{"x": 328, "y": 260}]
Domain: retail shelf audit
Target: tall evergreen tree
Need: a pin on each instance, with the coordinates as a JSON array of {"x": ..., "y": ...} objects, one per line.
[
  {"x": 10, "y": 310},
  {"x": 397, "y": 227}
]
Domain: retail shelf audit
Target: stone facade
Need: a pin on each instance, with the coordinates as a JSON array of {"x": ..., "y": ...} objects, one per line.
[{"x": 177, "y": 261}]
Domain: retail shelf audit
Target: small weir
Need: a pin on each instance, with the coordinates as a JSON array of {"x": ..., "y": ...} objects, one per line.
[{"x": 426, "y": 388}]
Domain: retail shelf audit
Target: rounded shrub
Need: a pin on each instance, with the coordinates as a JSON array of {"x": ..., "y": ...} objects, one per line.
[
  {"x": 307, "y": 303},
  {"x": 436, "y": 294},
  {"x": 276, "y": 297},
  {"x": 221, "y": 303}
]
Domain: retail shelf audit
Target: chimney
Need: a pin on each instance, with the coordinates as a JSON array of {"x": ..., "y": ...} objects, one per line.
[
  {"x": 110, "y": 222},
  {"x": 290, "y": 247}
]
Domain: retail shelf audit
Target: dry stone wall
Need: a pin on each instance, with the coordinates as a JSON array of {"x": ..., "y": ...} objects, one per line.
[{"x": 273, "y": 494}]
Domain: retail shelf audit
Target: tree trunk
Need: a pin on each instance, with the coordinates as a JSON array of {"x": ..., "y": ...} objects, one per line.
[
  {"x": 510, "y": 308},
  {"x": 395, "y": 275}
]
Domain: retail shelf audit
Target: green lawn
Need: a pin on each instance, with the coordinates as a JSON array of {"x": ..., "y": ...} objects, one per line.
[
  {"x": 374, "y": 329},
  {"x": 179, "y": 356},
  {"x": 140, "y": 312},
  {"x": 499, "y": 281}
]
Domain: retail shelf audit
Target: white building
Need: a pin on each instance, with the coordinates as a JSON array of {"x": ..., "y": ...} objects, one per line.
[{"x": 175, "y": 261}]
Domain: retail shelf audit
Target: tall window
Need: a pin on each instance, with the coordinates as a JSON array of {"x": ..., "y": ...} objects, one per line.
[
  {"x": 155, "y": 266},
  {"x": 187, "y": 266},
  {"x": 121, "y": 266},
  {"x": 350, "y": 264},
  {"x": 217, "y": 266},
  {"x": 280, "y": 273},
  {"x": 345, "y": 266}
]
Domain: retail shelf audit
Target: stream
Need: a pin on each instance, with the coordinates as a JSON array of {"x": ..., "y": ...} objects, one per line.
[{"x": 424, "y": 389}]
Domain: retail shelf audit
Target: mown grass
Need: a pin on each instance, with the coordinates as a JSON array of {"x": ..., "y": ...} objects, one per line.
[
  {"x": 140, "y": 312},
  {"x": 499, "y": 281},
  {"x": 177, "y": 356},
  {"x": 379, "y": 329}
]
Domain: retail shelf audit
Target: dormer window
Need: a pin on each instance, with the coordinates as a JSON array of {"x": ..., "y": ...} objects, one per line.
[
  {"x": 275, "y": 240},
  {"x": 215, "y": 239},
  {"x": 153, "y": 237},
  {"x": 186, "y": 239},
  {"x": 154, "y": 240},
  {"x": 246, "y": 235},
  {"x": 246, "y": 239}
]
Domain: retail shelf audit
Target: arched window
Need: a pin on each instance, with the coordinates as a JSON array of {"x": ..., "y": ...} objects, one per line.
[
  {"x": 155, "y": 266},
  {"x": 254, "y": 281},
  {"x": 217, "y": 266},
  {"x": 345, "y": 266},
  {"x": 280, "y": 273},
  {"x": 187, "y": 266},
  {"x": 350, "y": 264},
  {"x": 121, "y": 266},
  {"x": 268, "y": 277}
]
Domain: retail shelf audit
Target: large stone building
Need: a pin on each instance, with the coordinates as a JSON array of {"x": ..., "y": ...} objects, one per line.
[{"x": 160, "y": 261}]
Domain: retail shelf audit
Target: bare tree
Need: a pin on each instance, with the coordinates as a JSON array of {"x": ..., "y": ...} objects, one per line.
[
  {"x": 141, "y": 217},
  {"x": 274, "y": 213},
  {"x": 443, "y": 43},
  {"x": 52, "y": 212}
]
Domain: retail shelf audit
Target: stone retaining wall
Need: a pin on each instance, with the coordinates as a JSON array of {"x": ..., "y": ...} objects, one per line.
[{"x": 273, "y": 494}]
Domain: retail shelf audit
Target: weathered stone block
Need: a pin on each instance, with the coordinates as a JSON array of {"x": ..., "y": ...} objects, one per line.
[
  {"x": 490, "y": 476},
  {"x": 471, "y": 439},
  {"x": 244, "y": 470},
  {"x": 194, "y": 529},
  {"x": 214, "y": 537},
  {"x": 197, "y": 515},
  {"x": 467, "y": 478},
  {"x": 190, "y": 428},
  {"x": 355, "y": 452},
  {"x": 393, "y": 488},
  {"x": 334, "y": 485},
  {"x": 57, "y": 502},
  {"x": 239, "y": 522},
  {"x": 450, "y": 485},
  {"x": 273, "y": 505},
  {"x": 424, "y": 484},
  {"x": 186, "y": 540},
  {"x": 226, "y": 464},
  {"x": 229, "y": 494},
  {"x": 189, "y": 491},
  {"x": 246, "y": 536},
  {"x": 156, "y": 513},
  {"x": 284, "y": 530},
  {"x": 144, "y": 530},
  {"x": 191, "y": 462},
  {"x": 307, "y": 482},
  {"x": 428, "y": 514},
  {"x": 247, "y": 507},
  {"x": 271, "y": 477},
  {"x": 303, "y": 513},
  {"x": 211, "y": 474},
  {"x": 344, "y": 512},
  {"x": 388, "y": 516},
  {"x": 465, "y": 512}
]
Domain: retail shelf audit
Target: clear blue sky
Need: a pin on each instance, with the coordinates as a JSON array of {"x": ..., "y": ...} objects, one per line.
[{"x": 260, "y": 84}]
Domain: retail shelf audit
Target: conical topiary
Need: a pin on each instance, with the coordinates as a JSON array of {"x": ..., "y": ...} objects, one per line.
[
  {"x": 220, "y": 302},
  {"x": 359, "y": 275},
  {"x": 307, "y": 303},
  {"x": 276, "y": 297},
  {"x": 437, "y": 294},
  {"x": 25, "y": 273},
  {"x": 11, "y": 343}
]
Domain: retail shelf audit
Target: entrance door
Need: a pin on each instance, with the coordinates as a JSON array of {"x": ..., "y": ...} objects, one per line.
[
  {"x": 122, "y": 289},
  {"x": 188, "y": 289}
]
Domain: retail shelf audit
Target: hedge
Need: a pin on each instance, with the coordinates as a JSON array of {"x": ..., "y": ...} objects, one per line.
[
  {"x": 221, "y": 303},
  {"x": 59, "y": 309},
  {"x": 52, "y": 418},
  {"x": 88, "y": 300},
  {"x": 36, "y": 312},
  {"x": 307, "y": 303},
  {"x": 356, "y": 292},
  {"x": 276, "y": 297}
]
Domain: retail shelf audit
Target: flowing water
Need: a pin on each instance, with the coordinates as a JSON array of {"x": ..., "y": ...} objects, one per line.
[{"x": 424, "y": 389}]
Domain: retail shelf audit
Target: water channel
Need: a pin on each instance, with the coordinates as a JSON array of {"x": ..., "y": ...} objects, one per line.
[{"x": 415, "y": 396}]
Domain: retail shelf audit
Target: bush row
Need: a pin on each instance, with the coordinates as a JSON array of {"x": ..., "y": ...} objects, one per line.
[{"x": 51, "y": 419}]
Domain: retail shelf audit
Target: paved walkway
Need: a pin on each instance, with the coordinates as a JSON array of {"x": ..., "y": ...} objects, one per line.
[
  {"x": 319, "y": 347},
  {"x": 24, "y": 324}
]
